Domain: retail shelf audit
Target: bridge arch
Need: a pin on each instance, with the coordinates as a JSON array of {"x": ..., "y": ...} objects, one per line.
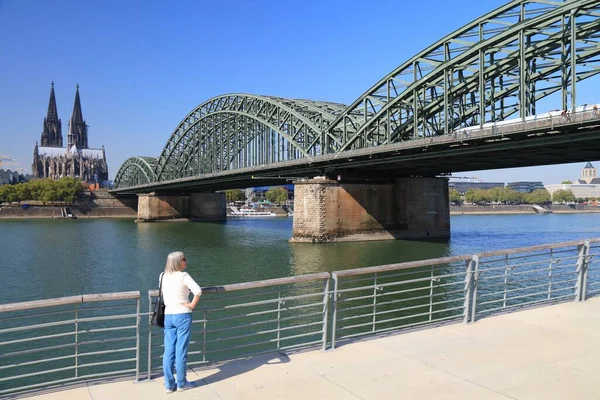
[
  {"x": 501, "y": 64},
  {"x": 136, "y": 171},
  {"x": 244, "y": 130}
]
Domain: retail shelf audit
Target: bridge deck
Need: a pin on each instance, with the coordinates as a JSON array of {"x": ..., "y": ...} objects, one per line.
[{"x": 544, "y": 353}]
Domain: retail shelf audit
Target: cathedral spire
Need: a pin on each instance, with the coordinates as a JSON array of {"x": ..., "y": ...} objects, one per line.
[
  {"x": 52, "y": 110},
  {"x": 52, "y": 133},
  {"x": 77, "y": 127}
]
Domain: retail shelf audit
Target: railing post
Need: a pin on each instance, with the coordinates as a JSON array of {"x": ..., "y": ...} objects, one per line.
[
  {"x": 374, "y": 303},
  {"x": 205, "y": 316},
  {"x": 582, "y": 267},
  {"x": 150, "y": 309},
  {"x": 470, "y": 304},
  {"x": 334, "y": 302},
  {"x": 278, "y": 317},
  {"x": 431, "y": 295},
  {"x": 76, "y": 340},
  {"x": 468, "y": 280},
  {"x": 325, "y": 312},
  {"x": 137, "y": 340}
]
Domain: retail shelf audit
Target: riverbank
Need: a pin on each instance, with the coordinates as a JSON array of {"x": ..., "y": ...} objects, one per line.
[
  {"x": 96, "y": 204},
  {"x": 522, "y": 209}
]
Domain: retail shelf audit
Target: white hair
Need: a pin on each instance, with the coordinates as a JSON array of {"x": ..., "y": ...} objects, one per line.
[{"x": 173, "y": 262}]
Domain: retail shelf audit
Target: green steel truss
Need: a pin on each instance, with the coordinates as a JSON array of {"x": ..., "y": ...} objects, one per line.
[
  {"x": 498, "y": 66},
  {"x": 136, "y": 171}
]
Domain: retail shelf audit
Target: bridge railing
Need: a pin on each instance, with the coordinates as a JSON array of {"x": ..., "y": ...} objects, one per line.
[
  {"x": 45, "y": 343},
  {"x": 93, "y": 337},
  {"x": 547, "y": 121}
]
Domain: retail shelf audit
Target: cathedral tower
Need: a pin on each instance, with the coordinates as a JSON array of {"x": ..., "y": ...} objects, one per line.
[
  {"x": 52, "y": 133},
  {"x": 77, "y": 128}
]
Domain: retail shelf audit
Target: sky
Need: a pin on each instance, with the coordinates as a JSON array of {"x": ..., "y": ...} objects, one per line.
[{"x": 142, "y": 66}]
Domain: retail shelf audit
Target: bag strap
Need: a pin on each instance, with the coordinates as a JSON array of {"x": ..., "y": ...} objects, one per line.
[{"x": 160, "y": 285}]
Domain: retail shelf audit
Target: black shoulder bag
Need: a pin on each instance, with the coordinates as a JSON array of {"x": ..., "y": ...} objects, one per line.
[{"x": 158, "y": 316}]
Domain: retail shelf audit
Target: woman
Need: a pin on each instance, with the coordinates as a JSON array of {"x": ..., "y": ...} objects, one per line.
[{"x": 176, "y": 286}]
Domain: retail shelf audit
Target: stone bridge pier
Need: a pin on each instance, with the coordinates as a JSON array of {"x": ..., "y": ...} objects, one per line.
[
  {"x": 403, "y": 208},
  {"x": 193, "y": 207}
]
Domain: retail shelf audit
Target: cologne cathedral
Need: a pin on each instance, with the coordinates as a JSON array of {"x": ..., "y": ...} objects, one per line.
[{"x": 52, "y": 160}]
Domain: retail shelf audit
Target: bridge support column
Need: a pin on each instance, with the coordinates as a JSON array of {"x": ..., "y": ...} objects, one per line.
[
  {"x": 405, "y": 208},
  {"x": 193, "y": 207}
]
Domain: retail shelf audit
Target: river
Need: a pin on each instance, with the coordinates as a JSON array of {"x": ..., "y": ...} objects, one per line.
[{"x": 53, "y": 258}]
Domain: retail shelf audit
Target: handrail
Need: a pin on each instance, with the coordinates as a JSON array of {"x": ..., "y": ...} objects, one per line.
[
  {"x": 259, "y": 284},
  {"x": 59, "y": 301}
]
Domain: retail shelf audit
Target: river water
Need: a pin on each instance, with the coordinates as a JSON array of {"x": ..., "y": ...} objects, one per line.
[{"x": 53, "y": 258}]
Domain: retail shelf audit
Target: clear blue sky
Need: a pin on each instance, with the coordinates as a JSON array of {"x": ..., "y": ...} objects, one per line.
[{"x": 143, "y": 65}]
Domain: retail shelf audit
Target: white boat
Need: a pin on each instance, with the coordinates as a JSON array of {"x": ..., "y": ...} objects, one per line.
[{"x": 250, "y": 212}]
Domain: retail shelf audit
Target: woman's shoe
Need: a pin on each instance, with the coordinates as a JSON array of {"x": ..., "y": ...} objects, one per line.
[{"x": 188, "y": 385}]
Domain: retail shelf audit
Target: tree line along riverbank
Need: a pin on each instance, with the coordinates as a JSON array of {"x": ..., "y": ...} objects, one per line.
[{"x": 522, "y": 209}]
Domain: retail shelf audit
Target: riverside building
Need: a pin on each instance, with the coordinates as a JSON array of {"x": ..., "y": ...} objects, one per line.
[{"x": 586, "y": 186}]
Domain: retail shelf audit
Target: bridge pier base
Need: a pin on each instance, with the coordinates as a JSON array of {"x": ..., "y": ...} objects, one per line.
[
  {"x": 193, "y": 207},
  {"x": 405, "y": 208}
]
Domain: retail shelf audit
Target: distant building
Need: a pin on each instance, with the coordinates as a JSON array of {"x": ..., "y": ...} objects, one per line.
[
  {"x": 589, "y": 175},
  {"x": 462, "y": 187},
  {"x": 586, "y": 186},
  {"x": 51, "y": 160},
  {"x": 8, "y": 177},
  {"x": 525, "y": 187}
]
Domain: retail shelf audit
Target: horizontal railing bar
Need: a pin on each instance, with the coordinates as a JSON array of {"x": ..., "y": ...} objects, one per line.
[
  {"x": 111, "y": 340},
  {"x": 545, "y": 292},
  {"x": 521, "y": 288},
  {"x": 394, "y": 319},
  {"x": 398, "y": 301},
  {"x": 257, "y": 323},
  {"x": 86, "y": 298},
  {"x": 501, "y": 278},
  {"x": 37, "y": 338},
  {"x": 50, "y": 371},
  {"x": 263, "y": 283},
  {"x": 556, "y": 256},
  {"x": 407, "y": 265},
  {"x": 461, "y": 284},
  {"x": 520, "y": 268},
  {"x": 227, "y": 338},
  {"x": 434, "y": 322},
  {"x": 521, "y": 305},
  {"x": 271, "y": 301},
  {"x": 44, "y": 360},
  {"x": 530, "y": 249},
  {"x": 27, "y": 305},
  {"x": 263, "y": 342},
  {"x": 118, "y": 328},
  {"x": 106, "y": 362}
]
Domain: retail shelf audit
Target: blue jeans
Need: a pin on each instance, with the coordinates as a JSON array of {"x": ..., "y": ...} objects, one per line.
[{"x": 177, "y": 340}]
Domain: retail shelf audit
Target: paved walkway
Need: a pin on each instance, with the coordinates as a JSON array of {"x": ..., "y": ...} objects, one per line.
[{"x": 544, "y": 353}]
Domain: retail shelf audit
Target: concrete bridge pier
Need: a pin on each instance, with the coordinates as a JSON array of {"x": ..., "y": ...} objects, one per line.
[
  {"x": 193, "y": 207},
  {"x": 403, "y": 208}
]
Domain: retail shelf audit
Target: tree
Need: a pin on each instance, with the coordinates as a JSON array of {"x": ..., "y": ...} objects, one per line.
[
  {"x": 538, "y": 196},
  {"x": 567, "y": 182},
  {"x": 455, "y": 197},
  {"x": 277, "y": 195},
  {"x": 563, "y": 196},
  {"x": 234, "y": 195}
]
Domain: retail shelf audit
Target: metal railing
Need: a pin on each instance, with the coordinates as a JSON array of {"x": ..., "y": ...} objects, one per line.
[
  {"x": 70, "y": 339},
  {"x": 253, "y": 318}
]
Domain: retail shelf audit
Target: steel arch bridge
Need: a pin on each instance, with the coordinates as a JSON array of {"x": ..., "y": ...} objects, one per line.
[{"x": 499, "y": 66}]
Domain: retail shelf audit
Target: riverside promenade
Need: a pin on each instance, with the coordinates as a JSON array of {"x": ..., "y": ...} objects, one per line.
[{"x": 550, "y": 352}]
